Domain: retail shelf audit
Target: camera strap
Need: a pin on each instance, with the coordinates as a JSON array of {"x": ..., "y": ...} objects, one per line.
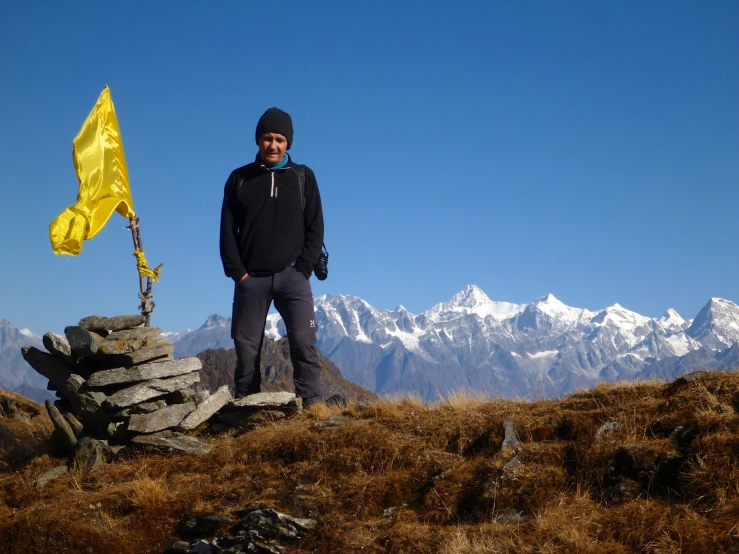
[{"x": 301, "y": 181}]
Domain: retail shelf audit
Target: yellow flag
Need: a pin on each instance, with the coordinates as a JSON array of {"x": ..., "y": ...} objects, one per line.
[{"x": 101, "y": 170}]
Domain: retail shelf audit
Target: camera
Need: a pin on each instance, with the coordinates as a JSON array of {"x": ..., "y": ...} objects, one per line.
[{"x": 321, "y": 267}]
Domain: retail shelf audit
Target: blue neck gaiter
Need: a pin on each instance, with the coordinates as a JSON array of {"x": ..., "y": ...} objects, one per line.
[{"x": 283, "y": 163}]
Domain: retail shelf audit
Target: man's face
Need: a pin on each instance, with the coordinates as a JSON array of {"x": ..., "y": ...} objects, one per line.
[{"x": 272, "y": 147}]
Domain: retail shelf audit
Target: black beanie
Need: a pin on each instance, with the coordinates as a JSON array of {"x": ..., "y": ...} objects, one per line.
[{"x": 274, "y": 120}]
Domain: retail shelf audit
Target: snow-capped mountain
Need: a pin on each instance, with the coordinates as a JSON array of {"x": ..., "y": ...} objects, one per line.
[
  {"x": 471, "y": 342},
  {"x": 15, "y": 373}
]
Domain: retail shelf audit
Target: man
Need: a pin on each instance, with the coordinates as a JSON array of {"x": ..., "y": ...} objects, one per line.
[{"x": 271, "y": 238}]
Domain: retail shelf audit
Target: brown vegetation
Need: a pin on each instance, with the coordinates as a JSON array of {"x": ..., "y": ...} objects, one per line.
[{"x": 398, "y": 476}]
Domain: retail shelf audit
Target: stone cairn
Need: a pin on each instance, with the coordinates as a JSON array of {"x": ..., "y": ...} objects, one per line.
[{"x": 118, "y": 384}]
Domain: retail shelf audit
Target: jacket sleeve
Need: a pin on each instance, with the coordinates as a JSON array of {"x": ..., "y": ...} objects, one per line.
[
  {"x": 232, "y": 264},
  {"x": 313, "y": 226}
]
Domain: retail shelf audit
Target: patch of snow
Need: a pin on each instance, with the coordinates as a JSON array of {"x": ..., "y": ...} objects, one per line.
[
  {"x": 680, "y": 343},
  {"x": 542, "y": 354},
  {"x": 26, "y": 333}
]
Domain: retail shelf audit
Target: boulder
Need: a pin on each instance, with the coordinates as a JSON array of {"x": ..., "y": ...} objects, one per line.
[
  {"x": 144, "y": 372},
  {"x": 58, "y": 347},
  {"x": 83, "y": 342},
  {"x": 89, "y": 454},
  {"x": 149, "y": 389},
  {"x": 117, "y": 323}
]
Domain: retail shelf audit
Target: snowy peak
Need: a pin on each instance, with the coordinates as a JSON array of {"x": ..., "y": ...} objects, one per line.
[
  {"x": 216, "y": 320},
  {"x": 470, "y": 297},
  {"x": 672, "y": 321},
  {"x": 717, "y": 324},
  {"x": 27, "y": 333},
  {"x": 556, "y": 309},
  {"x": 472, "y": 301},
  {"x": 620, "y": 317}
]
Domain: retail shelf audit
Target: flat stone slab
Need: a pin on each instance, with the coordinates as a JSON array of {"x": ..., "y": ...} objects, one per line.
[
  {"x": 116, "y": 323},
  {"x": 207, "y": 408},
  {"x": 144, "y": 372},
  {"x": 166, "y": 418},
  {"x": 55, "y": 370},
  {"x": 156, "y": 349},
  {"x": 128, "y": 340},
  {"x": 58, "y": 347},
  {"x": 149, "y": 389},
  {"x": 49, "y": 476},
  {"x": 267, "y": 400},
  {"x": 168, "y": 440}
]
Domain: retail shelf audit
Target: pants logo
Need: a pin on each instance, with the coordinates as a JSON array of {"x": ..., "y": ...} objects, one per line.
[{"x": 312, "y": 322}]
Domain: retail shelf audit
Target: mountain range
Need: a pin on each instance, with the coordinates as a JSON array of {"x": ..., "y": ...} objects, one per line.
[
  {"x": 472, "y": 343},
  {"x": 541, "y": 349}
]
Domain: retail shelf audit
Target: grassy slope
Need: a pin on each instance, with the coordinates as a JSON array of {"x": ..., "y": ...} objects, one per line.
[{"x": 442, "y": 470}]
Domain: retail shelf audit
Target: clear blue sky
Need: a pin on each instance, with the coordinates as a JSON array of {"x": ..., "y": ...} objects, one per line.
[{"x": 587, "y": 149}]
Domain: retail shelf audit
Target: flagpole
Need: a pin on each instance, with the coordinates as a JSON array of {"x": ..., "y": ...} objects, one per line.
[{"x": 145, "y": 283}]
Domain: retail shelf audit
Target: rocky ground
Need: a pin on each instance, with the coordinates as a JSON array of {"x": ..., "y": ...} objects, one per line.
[{"x": 650, "y": 467}]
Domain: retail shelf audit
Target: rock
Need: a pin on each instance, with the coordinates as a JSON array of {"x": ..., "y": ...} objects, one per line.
[
  {"x": 144, "y": 372},
  {"x": 61, "y": 424},
  {"x": 168, "y": 440},
  {"x": 684, "y": 436},
  {"x": 267, "y": 400},
  {"x": 512, "y": 463},
  {"x": 156, "y": 350},
  {"x": 117, "y": 323},
  {"x": 509, "y": 516},
  {"x": 696, "y": 375},
  {"x": 168, "y": 417},
  {"x": 84, "y": 343},
  {"x": 58, "y": 346},
  {"x": 149, "y": 389},
  {"x": 179, "y": 547},
  {"x": 266, "y": 531},
  {"x": 89, "y": 454},
  {"x": 55, "y": 370},
  {"x": 129, "y": 340},
  {"x": 607, "y": 428},
  {"x": 207, "y": 408},
  {"x": 246, "y": 419},
  {"x": 510, "y": 439},
  {"x": 143, "y": 408},
  {"x": 202, "y": 526},
  {"x": 74, "y": 423},
  {"x": 181, "y": 396},
  {"x": 49, "y": 476},
  {"x": 16, "y": 413}
]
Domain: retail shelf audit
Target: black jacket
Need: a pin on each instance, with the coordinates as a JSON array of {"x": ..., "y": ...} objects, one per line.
[{"x": 264, "y": 227}]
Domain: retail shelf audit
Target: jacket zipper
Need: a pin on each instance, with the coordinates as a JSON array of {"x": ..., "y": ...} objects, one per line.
[{"x": 272, "y": 193}]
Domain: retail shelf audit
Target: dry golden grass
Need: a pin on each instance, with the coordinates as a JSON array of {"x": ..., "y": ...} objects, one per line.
[{"x": 399, "y": 476}]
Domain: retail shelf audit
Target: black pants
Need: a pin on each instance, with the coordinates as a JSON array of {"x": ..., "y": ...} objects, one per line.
[{"x": 293, "y": 298}]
